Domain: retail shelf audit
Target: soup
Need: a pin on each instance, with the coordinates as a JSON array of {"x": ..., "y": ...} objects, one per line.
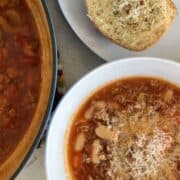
[
  {"x": 20, "y": 73},
  {"x": 127, "y": 130}
]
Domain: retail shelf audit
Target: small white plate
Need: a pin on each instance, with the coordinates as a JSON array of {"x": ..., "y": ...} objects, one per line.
[{"x": 75, "y": 13}]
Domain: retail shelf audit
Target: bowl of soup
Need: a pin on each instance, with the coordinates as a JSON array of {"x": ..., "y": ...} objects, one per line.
[
  {"x": 27, "y": 80},
  {"x": 120, "y": 121}
]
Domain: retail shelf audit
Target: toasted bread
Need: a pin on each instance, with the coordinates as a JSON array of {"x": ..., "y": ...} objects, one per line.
[{"x": 133, "y": 24}]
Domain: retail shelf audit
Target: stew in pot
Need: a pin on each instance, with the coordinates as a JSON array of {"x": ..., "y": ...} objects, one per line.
[{"x": 20, "y": 73}]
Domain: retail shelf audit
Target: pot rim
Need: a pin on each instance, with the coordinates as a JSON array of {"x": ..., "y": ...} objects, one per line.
[{"x": 47, "y": 114}]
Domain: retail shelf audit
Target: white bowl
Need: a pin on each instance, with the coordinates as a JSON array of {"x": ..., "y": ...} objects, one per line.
[{"x": 57, "y": 135}]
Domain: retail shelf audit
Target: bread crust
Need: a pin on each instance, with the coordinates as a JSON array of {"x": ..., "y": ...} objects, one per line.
[{"x": 156, "y": 36}]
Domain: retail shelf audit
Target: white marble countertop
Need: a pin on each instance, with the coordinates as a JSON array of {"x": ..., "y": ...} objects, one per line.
[{"x": 77, "y": 60}]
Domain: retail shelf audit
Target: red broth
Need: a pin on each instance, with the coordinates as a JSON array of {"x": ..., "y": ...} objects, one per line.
[
  {"x": 20, "y": 73},
  {"x": 128, "y": 129}
]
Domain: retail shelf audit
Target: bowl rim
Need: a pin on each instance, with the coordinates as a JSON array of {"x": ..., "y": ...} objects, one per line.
[
  {"x": 103, "y": 66},
  {"x": 47, "y": 114}
]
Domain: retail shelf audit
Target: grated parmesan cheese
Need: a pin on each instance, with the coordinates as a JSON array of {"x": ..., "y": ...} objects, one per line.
[{"x": 146, "y": 160}]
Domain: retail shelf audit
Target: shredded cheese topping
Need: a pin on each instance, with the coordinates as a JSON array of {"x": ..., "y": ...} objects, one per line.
[
  {"x": 147, "y": 160},
  {"x": 146, "y": 154},
  {"x": 141, "y": 145}
]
